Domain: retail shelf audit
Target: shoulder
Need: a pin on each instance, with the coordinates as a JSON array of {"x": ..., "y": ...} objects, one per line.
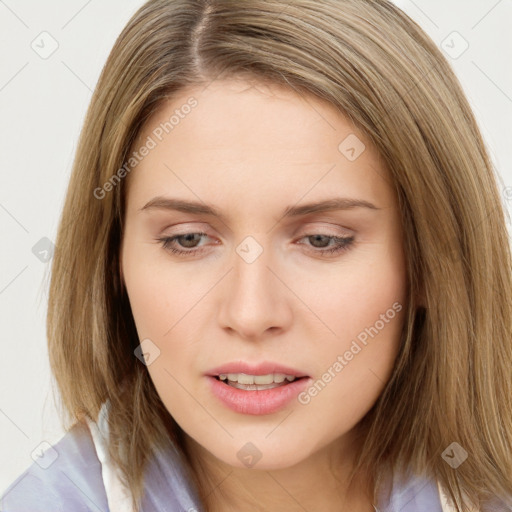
[
  {"x": 66, "y": 477},
  {"x": 416, "y": 493},
  {"x": 410, "y": 493}
]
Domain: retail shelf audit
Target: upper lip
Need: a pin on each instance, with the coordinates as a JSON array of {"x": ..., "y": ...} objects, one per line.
[{"x": 263, "y": 368}]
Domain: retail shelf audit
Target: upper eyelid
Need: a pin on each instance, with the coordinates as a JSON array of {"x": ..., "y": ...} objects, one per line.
[
  {"x": 308, "y": 231},
  {"x": 305, "y": 235}
]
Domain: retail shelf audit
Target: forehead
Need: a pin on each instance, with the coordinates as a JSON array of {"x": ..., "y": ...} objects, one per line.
[{"x": 254, "y": 138}]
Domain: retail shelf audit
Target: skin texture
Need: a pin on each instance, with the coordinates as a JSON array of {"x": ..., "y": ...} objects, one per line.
[{"x": 251, "y": 150}]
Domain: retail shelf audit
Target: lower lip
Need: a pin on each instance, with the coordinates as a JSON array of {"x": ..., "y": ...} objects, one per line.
[{"x": 256, "y": 402}]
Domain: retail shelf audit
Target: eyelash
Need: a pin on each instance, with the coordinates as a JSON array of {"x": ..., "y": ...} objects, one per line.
[{"x": 343, "y": 245}]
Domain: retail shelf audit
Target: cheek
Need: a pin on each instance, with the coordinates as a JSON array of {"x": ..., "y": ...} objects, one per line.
[
  {"x": 351, "y": 296},
  {"x": 167, "y": 319},
  {"x": 167, "y": 309},
  {"x": 158, "y": 291},
  {"x": 149, "y": 301},
  {"x": 363, "y": 303},
  {"x": 354, "y": 376}
]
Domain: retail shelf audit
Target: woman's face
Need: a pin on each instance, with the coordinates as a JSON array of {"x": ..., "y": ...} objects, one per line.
[{"x": 277, "y": 277}]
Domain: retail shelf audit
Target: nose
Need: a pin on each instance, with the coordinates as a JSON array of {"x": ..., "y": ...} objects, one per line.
[{"x": 255, "y": 303}]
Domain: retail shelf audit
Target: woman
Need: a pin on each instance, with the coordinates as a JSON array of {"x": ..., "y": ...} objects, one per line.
[{"x": 282, "y": 276}]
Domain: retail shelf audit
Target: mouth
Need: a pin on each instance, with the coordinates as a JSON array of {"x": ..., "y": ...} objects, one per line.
[
  {"x": 256, "y": 382},
  {"x": 257, "y": 394}
]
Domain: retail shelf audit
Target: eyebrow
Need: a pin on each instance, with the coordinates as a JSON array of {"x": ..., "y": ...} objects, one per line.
[{"x": 193, "y": 207}]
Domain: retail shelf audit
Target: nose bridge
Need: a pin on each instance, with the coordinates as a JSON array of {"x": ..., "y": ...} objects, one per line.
[
  {"x": 254, "y": 301},
  {"x": 251, "y": 266},
  {"x": 252, "y": 276}
]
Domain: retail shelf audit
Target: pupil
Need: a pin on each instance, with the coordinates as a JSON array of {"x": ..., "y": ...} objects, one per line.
[
  {"x": 189, "y": 238},
  {"x": 317, "y": 238}
]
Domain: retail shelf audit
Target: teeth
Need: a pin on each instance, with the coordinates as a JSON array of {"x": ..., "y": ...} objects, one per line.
[{"x": 243, "y": 378}]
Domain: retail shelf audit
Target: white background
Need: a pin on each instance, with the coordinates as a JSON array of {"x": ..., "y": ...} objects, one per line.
[{"x": 42, "y": 106}]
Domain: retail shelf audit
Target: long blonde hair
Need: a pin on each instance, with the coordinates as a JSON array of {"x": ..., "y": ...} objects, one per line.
[{"x": 453, "y": 376}]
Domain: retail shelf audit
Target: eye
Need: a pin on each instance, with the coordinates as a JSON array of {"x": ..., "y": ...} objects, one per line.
[
  {"x": 190, "y": 241},
  {"x": 340, "y": 243},
  {"x": 320, "y": 243}
]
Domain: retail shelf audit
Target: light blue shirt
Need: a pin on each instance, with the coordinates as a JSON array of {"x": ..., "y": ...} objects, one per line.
[{"x": 74, "y": 483}]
